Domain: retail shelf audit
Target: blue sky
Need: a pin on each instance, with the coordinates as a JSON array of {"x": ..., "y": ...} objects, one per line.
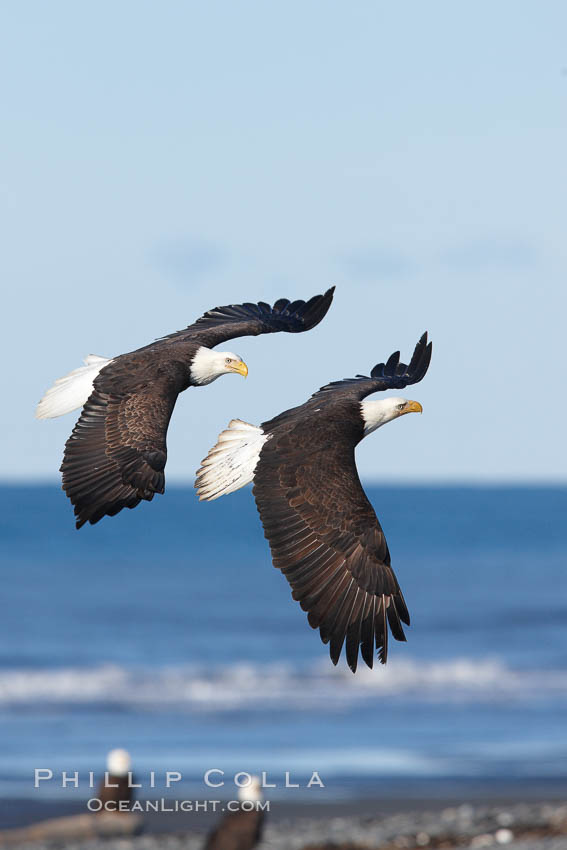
[{"x": 159, "y": 159}]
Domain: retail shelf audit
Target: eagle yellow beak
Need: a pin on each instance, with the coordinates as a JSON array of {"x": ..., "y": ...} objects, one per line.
[
  {"x": 241, "y": 368},
  {"x": 412, "y": 407}
]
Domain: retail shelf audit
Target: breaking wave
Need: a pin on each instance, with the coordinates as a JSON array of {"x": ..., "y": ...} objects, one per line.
[{"x": 278, "y": 686}]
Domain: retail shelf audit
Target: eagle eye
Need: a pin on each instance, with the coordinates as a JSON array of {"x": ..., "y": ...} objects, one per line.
[
  {"x": 400, "y": 406},
  {"x": 228, "y": 360}
]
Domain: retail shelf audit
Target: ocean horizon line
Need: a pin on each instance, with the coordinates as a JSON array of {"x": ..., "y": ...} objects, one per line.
[{"x": 398, "y": 483}]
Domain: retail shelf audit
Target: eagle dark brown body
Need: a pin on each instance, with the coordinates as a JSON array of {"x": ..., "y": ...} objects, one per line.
[
  {"x": 115, "y": 791},
  {"x": 239, "y": 830}
]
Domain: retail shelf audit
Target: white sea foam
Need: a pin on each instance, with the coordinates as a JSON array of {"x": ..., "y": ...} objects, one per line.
[{"x": 278, "y": 686}]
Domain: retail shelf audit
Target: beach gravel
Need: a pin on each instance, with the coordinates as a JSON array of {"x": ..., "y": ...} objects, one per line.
[{"x": 534, "y": 826}]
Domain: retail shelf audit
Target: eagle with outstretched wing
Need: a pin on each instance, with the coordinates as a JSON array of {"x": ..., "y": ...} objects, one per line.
[
  {"x": 117, "y": 452},
  {"x": 323, "y": 532}
]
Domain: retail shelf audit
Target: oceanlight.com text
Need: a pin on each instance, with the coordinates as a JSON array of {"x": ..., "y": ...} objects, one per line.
[{"x": 95, "y": 804}]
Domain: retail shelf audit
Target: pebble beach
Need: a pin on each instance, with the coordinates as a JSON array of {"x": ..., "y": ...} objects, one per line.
[{"x": 525, "y": 826}]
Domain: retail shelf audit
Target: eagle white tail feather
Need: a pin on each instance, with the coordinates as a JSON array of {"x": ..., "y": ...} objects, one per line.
[
  {"x": 72, "y": 390},
  {"x": 230, "y": 464}
]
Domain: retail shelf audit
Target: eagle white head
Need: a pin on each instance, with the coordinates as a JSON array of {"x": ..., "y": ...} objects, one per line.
[
  {"x": 118, "y": 762},
  {"x": 377, "y": 413},
  {"x": 252, "y": 792},
  {"x": 208, "y": 365}
]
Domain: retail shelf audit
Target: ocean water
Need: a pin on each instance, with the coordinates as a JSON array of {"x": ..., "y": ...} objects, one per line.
[{"x": 167, "y": 631}]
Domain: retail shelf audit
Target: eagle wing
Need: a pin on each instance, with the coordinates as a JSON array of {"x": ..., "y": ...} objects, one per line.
[
  {"x": 116, "y": 454},
  {"x": 236, "y": 320},
  {"x": 326, "y": 539},
  {"x": 391, "y": 375}
]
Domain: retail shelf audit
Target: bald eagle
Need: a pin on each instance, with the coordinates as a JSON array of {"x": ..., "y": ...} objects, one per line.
[
  {"x": 322, "y": 530},
  {"x": 117, "y": 452},
  {"x": 242, "y": 827},
  {"x": 116, "y": 785}
]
